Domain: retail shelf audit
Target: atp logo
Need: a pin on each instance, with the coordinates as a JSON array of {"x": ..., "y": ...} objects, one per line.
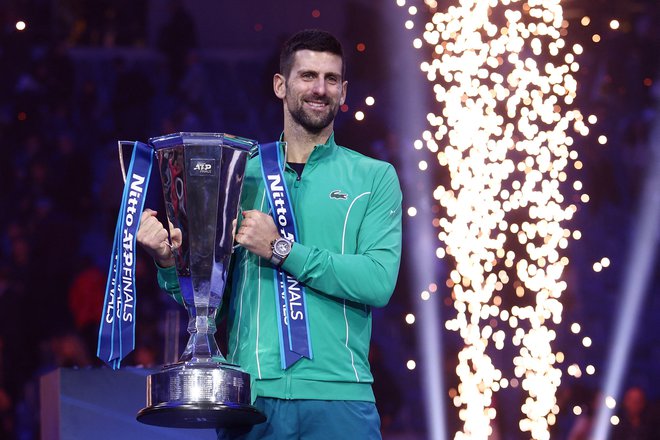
[
  {"x": 202, "y": 167},
  {"x": 338, "y": 195}
]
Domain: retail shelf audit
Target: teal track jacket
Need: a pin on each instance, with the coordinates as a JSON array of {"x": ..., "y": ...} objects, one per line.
[{"x": 348, "y": 213}]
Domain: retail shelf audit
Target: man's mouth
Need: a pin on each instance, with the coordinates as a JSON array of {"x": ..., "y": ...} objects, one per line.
[{"x": 318, "y": 105}]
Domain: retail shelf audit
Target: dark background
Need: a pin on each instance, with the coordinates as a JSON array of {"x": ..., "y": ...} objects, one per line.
[{"x": 84, "y": 74}]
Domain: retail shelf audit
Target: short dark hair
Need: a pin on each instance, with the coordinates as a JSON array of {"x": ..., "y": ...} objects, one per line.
[{"x": 310, "y": 39}]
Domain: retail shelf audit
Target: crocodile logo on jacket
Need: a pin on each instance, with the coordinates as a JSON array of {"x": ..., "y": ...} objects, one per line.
[{"x": 338, "y": 195}]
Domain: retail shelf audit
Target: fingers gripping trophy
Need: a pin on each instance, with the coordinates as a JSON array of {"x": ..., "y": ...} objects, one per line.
[{"x": 202, "y": 177}]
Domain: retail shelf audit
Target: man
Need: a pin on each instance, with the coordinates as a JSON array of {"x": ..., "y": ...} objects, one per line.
[
  {"x": 346, "y": 254},
  {"x": 637, "y": 419}
]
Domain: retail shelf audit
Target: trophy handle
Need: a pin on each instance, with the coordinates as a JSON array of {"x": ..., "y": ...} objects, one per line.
[{"x": 122, "y": 165}]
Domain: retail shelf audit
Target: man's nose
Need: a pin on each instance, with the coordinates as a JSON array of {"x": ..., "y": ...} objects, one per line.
[{"x": 319, "y": 86}]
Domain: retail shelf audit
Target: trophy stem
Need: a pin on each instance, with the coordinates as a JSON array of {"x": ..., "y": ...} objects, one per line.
[{"x": 202, "y": 345}]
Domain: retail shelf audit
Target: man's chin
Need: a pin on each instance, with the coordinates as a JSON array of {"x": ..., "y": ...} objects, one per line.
[
  {"x": 314, "y": 125},
  {"x": 314, "y": 128}
]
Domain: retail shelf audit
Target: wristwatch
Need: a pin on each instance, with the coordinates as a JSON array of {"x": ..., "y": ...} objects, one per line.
[{"x": 281, "y": 248}]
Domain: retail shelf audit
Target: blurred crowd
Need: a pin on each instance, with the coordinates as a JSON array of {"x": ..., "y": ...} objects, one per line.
[
  {"x": 61, "y": 114},
  {"x": 81, "y": 77},
  {"x": 73, "y": 82}
]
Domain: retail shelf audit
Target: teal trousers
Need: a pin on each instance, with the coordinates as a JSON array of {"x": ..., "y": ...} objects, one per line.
[{"x": 310, "y": 420}]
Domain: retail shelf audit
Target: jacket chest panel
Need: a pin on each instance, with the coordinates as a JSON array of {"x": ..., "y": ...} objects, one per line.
[
  {"x": 327, "y": 202},
  {"x": 325, "y": 212}
]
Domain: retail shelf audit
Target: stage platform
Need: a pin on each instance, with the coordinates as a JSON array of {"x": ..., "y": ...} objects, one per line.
[{"x": 101, "y": 404}]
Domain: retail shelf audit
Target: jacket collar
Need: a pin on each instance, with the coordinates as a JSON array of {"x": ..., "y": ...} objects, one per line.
[{"x": 320, "y": 150}]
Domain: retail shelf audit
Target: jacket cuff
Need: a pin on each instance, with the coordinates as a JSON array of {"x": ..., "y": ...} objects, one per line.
[
  {"x": 295, "y": 262},
  {"x": 169, "y": 281},
  {"x": 167, "y": 277}
]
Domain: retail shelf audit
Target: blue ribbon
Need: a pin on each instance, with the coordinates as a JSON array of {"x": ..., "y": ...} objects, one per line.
[
  {"x": 117, "y": 329},
  {"x": 291, "y": 305}
]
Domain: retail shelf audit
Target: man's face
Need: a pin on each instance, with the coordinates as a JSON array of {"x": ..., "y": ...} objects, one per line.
[{"x": 313, "y": 90}]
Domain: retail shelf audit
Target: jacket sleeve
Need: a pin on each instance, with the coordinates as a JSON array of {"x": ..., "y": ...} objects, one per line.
[
  {"x": 168, "y": 281},
  {"x": 368, "y": 276}
]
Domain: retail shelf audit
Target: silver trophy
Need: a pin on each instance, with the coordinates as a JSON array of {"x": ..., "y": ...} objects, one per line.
[{"x": 202, "y": 177}]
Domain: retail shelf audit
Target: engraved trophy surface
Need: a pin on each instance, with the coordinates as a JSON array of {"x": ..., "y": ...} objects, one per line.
[{"x": 202, "y": 176}]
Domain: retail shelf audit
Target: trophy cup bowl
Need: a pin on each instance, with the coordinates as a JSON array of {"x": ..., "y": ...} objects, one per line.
[{"x": 202, "y": 177}]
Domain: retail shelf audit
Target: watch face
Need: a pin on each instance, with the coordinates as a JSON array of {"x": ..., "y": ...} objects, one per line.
[{"x": 282, "y": 247}]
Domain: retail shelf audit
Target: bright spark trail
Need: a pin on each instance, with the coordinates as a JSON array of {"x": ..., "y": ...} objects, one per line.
[{"x": 502, "y": 76}]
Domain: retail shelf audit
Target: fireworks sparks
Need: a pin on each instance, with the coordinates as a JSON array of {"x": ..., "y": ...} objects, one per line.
[{"x": 502, "y": 74}]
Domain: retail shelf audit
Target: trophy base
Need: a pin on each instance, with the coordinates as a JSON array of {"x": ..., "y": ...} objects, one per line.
[
  {"x": 200, "y": 416},
  {"x": 203, "y": 394}
]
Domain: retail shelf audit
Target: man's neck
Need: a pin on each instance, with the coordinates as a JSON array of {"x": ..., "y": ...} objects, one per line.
[{"x": 300, "y": 143}]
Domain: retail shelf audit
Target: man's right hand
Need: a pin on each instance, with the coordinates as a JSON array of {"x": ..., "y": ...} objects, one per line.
[{"x": 152, "y": 236}]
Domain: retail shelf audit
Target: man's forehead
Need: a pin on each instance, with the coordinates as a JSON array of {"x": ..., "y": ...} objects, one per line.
[{"x": 317, "y": 61}]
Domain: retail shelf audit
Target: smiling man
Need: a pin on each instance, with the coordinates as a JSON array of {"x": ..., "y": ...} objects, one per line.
[
  {"x": 320, "y": 238},
  {"x": 313, "y": 92}
]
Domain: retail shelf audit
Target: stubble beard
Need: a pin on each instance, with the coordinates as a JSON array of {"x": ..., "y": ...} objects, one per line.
[{"x": 313, "y": 124}]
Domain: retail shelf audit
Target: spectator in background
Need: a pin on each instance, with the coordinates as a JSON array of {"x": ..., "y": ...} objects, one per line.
[
  {"x": 86, "y": 302},
  {"x": 132, "y": 101},
  {"x": 72, "y": 178},
  {"x": 635, "y": 422},
  {"x": 56, "y": 72},
  {"x": 176, "y": 39}
]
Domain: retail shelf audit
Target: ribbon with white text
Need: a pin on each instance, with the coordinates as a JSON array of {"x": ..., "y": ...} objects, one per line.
[
  {"x": 291, "y": 306},
  {"x": 117, "y": 329}
]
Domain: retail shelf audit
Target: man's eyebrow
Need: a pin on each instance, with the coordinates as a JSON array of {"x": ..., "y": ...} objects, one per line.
[{"x": 316, "y": 72}]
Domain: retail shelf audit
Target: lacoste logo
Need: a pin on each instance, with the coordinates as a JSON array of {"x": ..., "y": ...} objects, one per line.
[{"x": 338, "y": 195}]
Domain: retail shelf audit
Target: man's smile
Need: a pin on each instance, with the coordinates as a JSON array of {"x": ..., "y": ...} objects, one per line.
[{"x": 317, "y": 105}]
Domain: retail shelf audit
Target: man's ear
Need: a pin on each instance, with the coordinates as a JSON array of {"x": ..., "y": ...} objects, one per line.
[
  {"x": 279, "y": 85},
  {"x": 344, "y": 90}
]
